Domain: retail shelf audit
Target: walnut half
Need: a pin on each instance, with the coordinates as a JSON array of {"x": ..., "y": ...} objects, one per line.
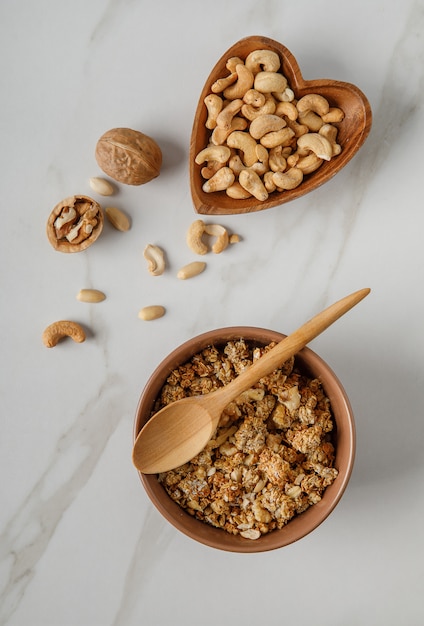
[{"x": 74, "y": 224}]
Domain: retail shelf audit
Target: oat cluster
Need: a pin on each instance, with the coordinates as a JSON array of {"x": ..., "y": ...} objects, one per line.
[{"x": 271, "y": 456}]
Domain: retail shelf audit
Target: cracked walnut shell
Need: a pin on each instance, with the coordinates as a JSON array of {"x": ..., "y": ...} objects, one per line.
[
  {"x": 128, "y": 156},
  {"x": 74, "y": 224}
]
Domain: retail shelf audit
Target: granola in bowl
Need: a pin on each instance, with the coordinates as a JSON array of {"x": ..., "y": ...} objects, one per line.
[
  {"x": 272, "y": 455},
  {"x": 281, "y": 457}
]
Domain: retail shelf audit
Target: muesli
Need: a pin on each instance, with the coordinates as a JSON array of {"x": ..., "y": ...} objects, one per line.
[{"x": 272, "y": 455}]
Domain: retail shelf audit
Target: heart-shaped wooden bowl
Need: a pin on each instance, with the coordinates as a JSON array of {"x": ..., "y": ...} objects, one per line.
[{"x": 352, "y": 130}]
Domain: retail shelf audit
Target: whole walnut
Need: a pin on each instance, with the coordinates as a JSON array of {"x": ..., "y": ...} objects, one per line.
[{"x": 128, "y": 156}]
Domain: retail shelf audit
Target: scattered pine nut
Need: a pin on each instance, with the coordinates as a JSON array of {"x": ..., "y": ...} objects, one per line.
[
  {"x": 101, "y": 186},
  {"x": 90, "y": 295},
  {"x": 117, "y": 218},
  {"x": 152, "y": 312}
]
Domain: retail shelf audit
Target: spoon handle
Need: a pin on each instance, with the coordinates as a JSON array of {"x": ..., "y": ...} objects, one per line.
[{"x": 290, "y": 345}]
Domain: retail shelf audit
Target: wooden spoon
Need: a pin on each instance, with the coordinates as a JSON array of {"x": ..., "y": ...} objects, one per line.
[{"x": 181, "y": 430}]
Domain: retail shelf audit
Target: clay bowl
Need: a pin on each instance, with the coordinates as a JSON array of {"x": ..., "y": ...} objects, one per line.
[
  {"x": 352, "y": 131},
  {"x": 343, "y": 439}
]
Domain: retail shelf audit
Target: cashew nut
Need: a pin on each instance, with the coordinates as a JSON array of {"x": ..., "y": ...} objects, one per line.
[
  {"x": 250, "y": 181},
  {"x": 250, "y": 111},
  {"x": 237, "y": 192},
  {"x": 196, "y": 231},
  {"x": 288, "y": 109},
  {"x": 214, "y": 106},
  {"x": 232, "y": 63},
  {"x": 316, "y": 143},
  {"x": 298, "y": 129},
  {"x": 313, "y": 102},
  {"x": 333, "y": 116},
  {"x": 311, "y": 120},
  {"x": 63, "y": 328},
  {"x": 289, "y": 179},
  {"x": 284, "y": 96},
  {"x": 194, "y": 237},
  {"x": 222, "y": 83},
  {"x": 267, "y": 60},
  {"x": 219, "y": 135},
  {"x": 265, "y": 124},
  {"x": 221, "y": 234},
  {"x": 225, "y": 118},
  {"x": 243, "y": 83},
  {"x": 309, "y": 164},
  {"x": 255, "y": 98},
  {"x": 222, "y": 179},
  {"x": 156, "y": 259},
  {"x": 330, "y": 132},
  {"x": 191, "y": 269},
  {"x": 270, "y": 186},
  {"x": 244, "y": 142},
  {"x": 211, "y": 169},
  {"x": 213, "y": 153},
  {"x": 277, "y": 161},
  {"x": 236, "y": 164},
  {"x": 277, "y": 138},
  {"x": 267, "y": 82}
]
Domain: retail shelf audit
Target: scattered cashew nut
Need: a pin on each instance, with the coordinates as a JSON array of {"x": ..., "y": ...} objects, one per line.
[
  {"x": 198, "y": 229},
  {"x": 61, "y": 329},
  {"x": 194, "y": 237},
  {"x": 155, "y": 258},
  {"x": 221, "y": 234}
]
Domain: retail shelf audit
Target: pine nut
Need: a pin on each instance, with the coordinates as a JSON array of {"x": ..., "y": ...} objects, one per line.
[
  {"x": 117, "y": 218},
  {"x": 101, "y": 186},
  {"x": 190, "y": 270},
  {"x": 90, "y": 295},
  {"x": 152, "y": 312}
]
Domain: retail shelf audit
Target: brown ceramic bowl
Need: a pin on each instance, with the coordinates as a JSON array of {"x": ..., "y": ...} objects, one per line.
[
  {"x": 352, "y": 131},
  {"x": 344, "y": 442}
]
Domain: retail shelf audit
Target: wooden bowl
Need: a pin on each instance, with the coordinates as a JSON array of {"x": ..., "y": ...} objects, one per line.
[
  {"x": 352, "y": 131},
  {"x": 344, "y": 441}
]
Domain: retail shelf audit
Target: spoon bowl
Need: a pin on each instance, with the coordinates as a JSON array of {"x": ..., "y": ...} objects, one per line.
[{"x": 352, "y": 130}]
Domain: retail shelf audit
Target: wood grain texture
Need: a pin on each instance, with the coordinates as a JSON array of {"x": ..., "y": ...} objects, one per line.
[{"x": 352, "y": 133}]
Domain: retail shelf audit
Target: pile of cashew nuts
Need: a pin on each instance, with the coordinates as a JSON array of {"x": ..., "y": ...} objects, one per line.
[{"x": 262, "y": 139}]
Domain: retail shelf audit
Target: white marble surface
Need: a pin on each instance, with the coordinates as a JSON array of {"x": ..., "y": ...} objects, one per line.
[{"x": 80, "y": 542}]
